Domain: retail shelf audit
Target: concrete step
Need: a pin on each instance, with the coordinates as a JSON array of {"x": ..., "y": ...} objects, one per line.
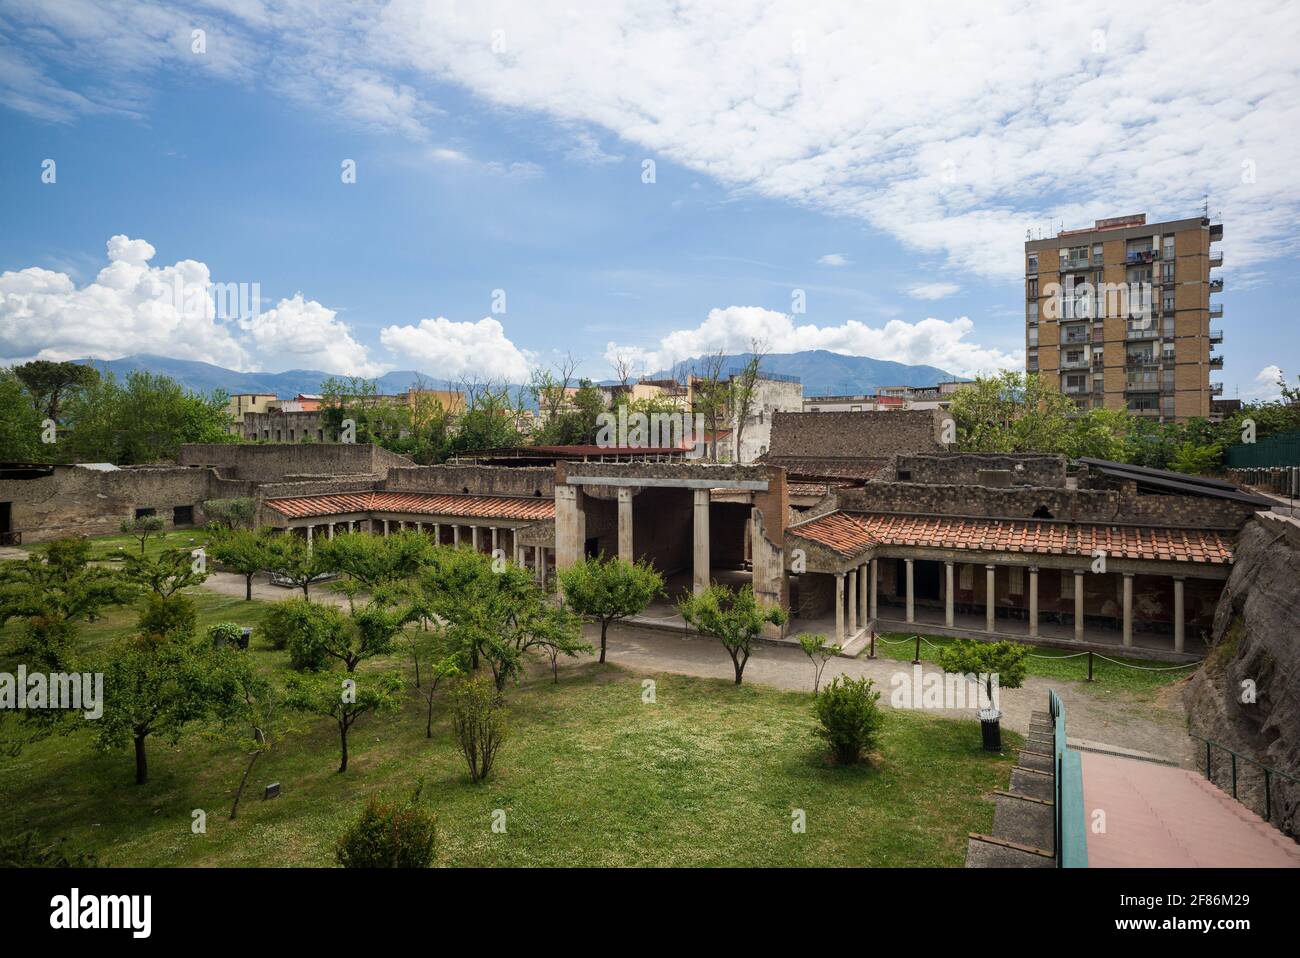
[
  {"x": 1043, "y": 762},
  {"x": 986, "y": 851},
  {"x": 1033, "y": 783},
  {"x": 1023, "y": 820}
]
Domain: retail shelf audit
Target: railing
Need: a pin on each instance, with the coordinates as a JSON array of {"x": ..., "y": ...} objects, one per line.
[
  {"x": 1216, "y": 310},
  {"x": 1216, "y": 336},
  {"x": 1269, "y": 773},
  {"x": 1216, "y": 258},
  {"x": 1070, "y": 838},
  {"x": 1216, "y": 389},
  {"x": 1149, "y": 331}
]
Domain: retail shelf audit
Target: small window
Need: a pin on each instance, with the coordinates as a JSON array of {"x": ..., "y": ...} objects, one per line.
[
  {"x": 183, "y": 516},
  {"x": 141, "y": 513},
  {"x": 905, "y": 475},
  {"x": 1042, "y": 512}
]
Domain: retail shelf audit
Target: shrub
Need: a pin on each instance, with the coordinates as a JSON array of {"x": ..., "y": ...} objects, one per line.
[
  {"x": 389, "y": 835},
  {"x": 303, "y": 628},
  {"x": 478, "y": 719},
  {"x": 1005, "y": 660},
  {"x": 849, "y": 718},
  {"x": 225, "y": 633},
  {"x": 170, "y": 616}
]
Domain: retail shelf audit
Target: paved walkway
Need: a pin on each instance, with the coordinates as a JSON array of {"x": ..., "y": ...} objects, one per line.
[{"x": 1157, "y": 816}]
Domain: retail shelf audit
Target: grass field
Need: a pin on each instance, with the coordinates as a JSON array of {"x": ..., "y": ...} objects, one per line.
[
  {"x": 112, "y": 547},
  {"x": 1108, "y": 678},
  {"x": 707, "y": 775}
]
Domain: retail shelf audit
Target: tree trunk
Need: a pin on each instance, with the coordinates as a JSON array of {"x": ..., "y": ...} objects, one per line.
[
  {"x": 343, "y": 748},
  {"x": 248, "y": 587},
  {"x": 239, "y": 792},
  {"x": 428, "y": 725},
  {"x": 738, "y": 665},
  {"x": 141, "y": 761},
  {"x": 604, "y": 626}
]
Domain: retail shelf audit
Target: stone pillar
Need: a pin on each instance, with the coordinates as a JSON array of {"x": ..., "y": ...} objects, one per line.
[
  {"x": 539, "y": 563},
  {"x": 352, "y": 525},
  {"x": 1033, "y": 600},
  {"x": 1128, "y": 609},
  {"x": 496, "y": 538},
  {"x": 874, "y": 573},
  {"x": 990, "y": 596},
  {"x": 473, "y": 537},
  {"x": 864, "y": 610},
  {"x": 455, "y": 535},
  {"x": 385, "y": 528},
  {"x": 851, "y": 595},
  {"x": 911, "y": 600},
  {"x": 1078, "y": 605},
  {"x": 625, "y": 523},
  {"x": 437, "y": 533},
  {"x": 839, "y": 608},
  {"x": 947, "y": 595},
  {"x": 702, "y": 546},
  {"x": 1179, "y": 613},
  {"x": 309, "y": 538},
  {"x": 570, "y": 525},
  {"x": 329, "y": 531}
]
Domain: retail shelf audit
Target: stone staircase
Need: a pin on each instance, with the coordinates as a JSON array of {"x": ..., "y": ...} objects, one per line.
[{"x": 1024, "y": 816}]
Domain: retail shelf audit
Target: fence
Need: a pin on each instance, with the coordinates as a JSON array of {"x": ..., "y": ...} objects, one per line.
[
  {"x": 1071, "y": 839},
  {"x": 1280, "y": 450},
  {"x": 1234, "y": 759},
  {"x": 1283, "y": 480}
]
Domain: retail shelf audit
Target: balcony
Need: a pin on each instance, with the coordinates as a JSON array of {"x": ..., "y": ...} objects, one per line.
[
  {"x": 1216, "y": 362},
  {"x": 1075, "y": 363},
  {"x": 1216, "y": 310},
  {"x": 1078, "y": 262},
  {"x": 1216, "y": 336},
  {"x": 1142, "y": 331},
  {"x": 1076, "y": 390},
  {"x": 1216, "y": 232},
  {"x": 1140, "y": 256},
  {"x": 1216, "y": 257},
  {"x": 1216, "y": 286},
  {"x": 1216, "y": 389},
  {"x": 1073, "y": 335},
  {"x": 1153, "y": 411}
]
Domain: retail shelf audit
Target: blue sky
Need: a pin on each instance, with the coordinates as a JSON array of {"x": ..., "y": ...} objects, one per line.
[{"x": 515, "y": 163}]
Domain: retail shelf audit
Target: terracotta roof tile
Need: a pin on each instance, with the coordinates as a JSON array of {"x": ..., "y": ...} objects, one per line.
[
  {"x": 850, "y": 534},
  {"x": 420, "y": 503}
]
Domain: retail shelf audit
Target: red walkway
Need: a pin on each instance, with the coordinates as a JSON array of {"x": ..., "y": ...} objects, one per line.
[{"x": 1157, "y": 815}]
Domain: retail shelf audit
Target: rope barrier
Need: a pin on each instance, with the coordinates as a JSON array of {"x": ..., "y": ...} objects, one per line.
[{"x": 911, "y": 640}]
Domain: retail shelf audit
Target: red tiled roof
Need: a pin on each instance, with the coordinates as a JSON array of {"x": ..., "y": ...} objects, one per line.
[
  {"x": 478, "y": 507},
  {"x": 849, "y": 534}
]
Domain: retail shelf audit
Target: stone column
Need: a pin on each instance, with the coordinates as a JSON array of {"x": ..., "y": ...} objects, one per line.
[
  {"x": 539, "y": 563},
  {"x": 437, "y": 533},
  {"x": 1128, "y": 609},
  {"x": 947, "y": 595},
  {"x": 864, "y": 610},
  {"x": 1078, "y": 605},
  {"x": 455, "y": 535},
  {"x": 702, "y": 545},
  {"x": 309, "y": 538},
  {"x": 839, "y": 608},
  {"x": 473, "y": 537},
  {"x": 570, "y": 525},
  {"x": 911, "y": 599},
  {"x": 851, "y": 595},
  {"x": 874, "y": 573},
  {"x": 990, "y": 596},
  {"x": 1033, "y": 600},
  {"x": 496, "y": 538},
  {"x": 385, "y": 528},
  {"x": 352, "y": 525},
  {"x": 329, "y": 531},
  {"x": 625, "y": 523},
  {"x": 1179, "y": 613}
]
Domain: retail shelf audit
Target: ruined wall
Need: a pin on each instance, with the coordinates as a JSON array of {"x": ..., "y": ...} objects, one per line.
[
  {"x": 275, "y": 462},
  {"x": 856, "y": 434},
  {"x": 1256, "y": 625},
  {"x": 951, "y": 468},
  {"x": 537, "y": 481}
]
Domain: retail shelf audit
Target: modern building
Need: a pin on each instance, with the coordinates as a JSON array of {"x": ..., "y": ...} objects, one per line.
[
  {"x": 1118, "y": 315},
  {"x": 243, "y": 403}
]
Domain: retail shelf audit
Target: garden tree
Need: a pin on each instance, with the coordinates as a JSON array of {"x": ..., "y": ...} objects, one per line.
[
  {"x": 448, "y": 661},
  {"x": 305, "y": 629},
  {"x": 848, "y": 718},
  {"x": 159, "y": 684},
  {"x": 170, "y": 615},
  {"x": 21, "y": 425},
  {"x": 343, "y": 698},
  {"x": 1196, "y": 460},
  {"x": 49, "y": 383},
  {"x": 478, "y": 720},
  {"x": 735, "y": 618},
  {"x": 375, "y": 418},
  {"x": 1012, "y": 412},
  {"x": 431, "y": 423},
  {"x": 744, "y": 389},
  {"x": 605, "y": 590},
  {"x": 256, "y": 714},
  {"x": 145, "y": 418},
  {"x": 987, "y": 662},
  {"x": 1100, "y": 434},
  {"x": 550, "y": 387},
  {"x": 711, "y": 394},
  {"x": 164, "y": 574},
  {"x": 53, "y": 590},
  {"x": 819, "y": 652},
  {"x": 290, "y": 556},
  {"x": 489, "y": 420},
  {"x": 237, "y": 513},
  {"x": 142, "y": 527},
  {"x": 243, "y": 551},
  {"x": 373, "y": 563},
  {"x": 389, "y": 835}
]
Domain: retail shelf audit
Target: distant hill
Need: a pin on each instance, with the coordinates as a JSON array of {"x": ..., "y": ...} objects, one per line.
[
  {"x": 821, "y": 372},
  {"x": 825, "y": 373}
]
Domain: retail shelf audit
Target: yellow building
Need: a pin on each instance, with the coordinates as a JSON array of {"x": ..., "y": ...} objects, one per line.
[{"x": 241, "y": 403}]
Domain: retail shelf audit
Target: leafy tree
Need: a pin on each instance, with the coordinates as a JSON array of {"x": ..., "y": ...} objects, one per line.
[
  {"x": 1013, "y": 412},
  {"x": 605, "y": 590},
  {"x": 1005, "y": 662},
  {"x": 848, "y": 718},
  {"x": 171, "y": 615},
  {"x": 242, "y": 551},
  {"x": 735, "y": 618},
  {"x": 389, "y": 835},
  {"x": 142, "y": 527},
  {"x": 1197, "y": 460},
  {"x": 237, "y": 513},
  {"x": 290, "y": 556},
  {"x": 256, "y": 713},
  {"x": 305, "y": 629},
  {"x": 489, "y": 419},
  {"x": 49, "y": 383},
  {"x": 344, "y": 699},
  {"x": 375, "y": 563},
  {"x": 157, "y": 686},
  {"x": 479, "y": 722},
  {"x": 164, "y": 574},
  {"x": 20, "y": 426},
  {"x": 819, "y": 652}
]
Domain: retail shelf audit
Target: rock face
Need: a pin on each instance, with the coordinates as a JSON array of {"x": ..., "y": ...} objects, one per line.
[{"x": 1256, "y": 655}]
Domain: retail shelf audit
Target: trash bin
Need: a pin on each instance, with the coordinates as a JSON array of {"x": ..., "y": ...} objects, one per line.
[
  {"x": 245, "y": 633},
  {"x": 991, "y": 729}
]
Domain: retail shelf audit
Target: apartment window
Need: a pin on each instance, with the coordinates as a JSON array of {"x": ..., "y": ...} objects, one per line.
[
  {"x": 1074, "y": 356},
  {"x": 1167, "y": 272},
  {"x": 1033, "y": 313},
  {"x": 1096, "y": 257},
  {"x": 1032, "y": 288},
  {"x": 1076, "y": 383},
  {"x": 1168, "y": 248},
  {"x": 1169, "y": 327},
  {"x": 1168, "y": 301},
  {"x": 1167, "y": 353},
  {"x": 1032, "y": 269},
  {"x": 1033, "y": 335},
  {"x": 1167, "y": 407},
  {"x": 1031, "y": 360}
]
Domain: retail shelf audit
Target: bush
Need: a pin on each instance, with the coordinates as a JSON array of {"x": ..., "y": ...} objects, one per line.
[
  {"x": 302, "y": 627},
  {"x": 478, "y": 718},
  {"x": 389, "y": 835},
  {"x": 225, "y": 633},
  {"x": 169, "y": 616},
  {"x": 849, "y": 718}
]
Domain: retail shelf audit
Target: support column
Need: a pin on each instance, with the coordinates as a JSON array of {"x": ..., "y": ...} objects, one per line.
[
  {"x": 864, "y": 610},
  {"x": 329, "y": 531},
  {"x": 1179, "y": 613},
  {"x": 947, "y": 595},
  {"x": 437, "y": 533},
  {"x": 702, "y": 547},
  {"x": 1078, "y": 605},
  {"x": 539, "y": 563},
  {"x": 385, "y": 528},
  {"x": 309, "y": 538},
  {"x": 625, "y": 523},
  {"x": 570, "y": 525},
  {"x": 455, "y": 535},
  {"x": 874, "y": 573},
  {"x": 851, "y": 596},
  {"x": 352, "y": 525},
  {"x": 473, "y": 537},
  {"x": 911, "y": 597},
  {"x": 990, "y": 596},
  {"x": 1033, "y": 600},
  {"x": 496, "y": 538},
  {"x": 839, "y": 608},
  {"x": 1128, "y": 609}
]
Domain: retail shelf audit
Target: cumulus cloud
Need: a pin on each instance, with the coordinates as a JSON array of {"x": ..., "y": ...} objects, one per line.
[
  {"x": 300, "y": 333},
  {"x": 832, "y": 259},
  {"x": 932, "y": 342},
  {"x": 1264, "y": 386},
  {"x": 451, "y": 350},
  {"x": 932, "y": 290}
]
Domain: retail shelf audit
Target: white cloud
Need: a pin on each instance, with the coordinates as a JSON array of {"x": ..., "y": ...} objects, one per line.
[
  {"x": 932, "y": 342},
  {"x": 1264, "y": 386},
  {"x": 832, "y": 259},
  {"x": 302, "y": 334},
  {"x": 932, "y": 290},
  {"x": 451, "y": 350}
]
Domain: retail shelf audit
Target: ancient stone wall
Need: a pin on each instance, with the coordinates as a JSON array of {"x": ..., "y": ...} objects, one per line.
[
  {"x": 856, "y": 434},
  {"x": 952, "y": 468},
  {"x": 276, "y": 462},
  {"x": 537, "y": 481}
]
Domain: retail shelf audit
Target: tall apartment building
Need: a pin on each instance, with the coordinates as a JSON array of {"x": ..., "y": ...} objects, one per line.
[{"x": 1118, "y": 315}]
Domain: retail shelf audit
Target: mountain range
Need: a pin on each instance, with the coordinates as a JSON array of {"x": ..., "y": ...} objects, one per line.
[{"x": 821, "y": 372}]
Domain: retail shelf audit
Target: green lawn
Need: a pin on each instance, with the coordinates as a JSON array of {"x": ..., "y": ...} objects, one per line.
[
  {"x": 112, "y": 547},
  {"x": 1108, "y": 678},
  {"x": 708, "y": 775}
]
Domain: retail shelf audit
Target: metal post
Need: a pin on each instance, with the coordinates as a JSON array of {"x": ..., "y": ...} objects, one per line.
[{"x": 1089, "y": 665}]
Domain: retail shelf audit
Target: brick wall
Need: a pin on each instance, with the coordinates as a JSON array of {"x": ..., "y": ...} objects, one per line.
[
  {"x": 856, "y": 434},
  {"x": 956, "y": 468}
]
